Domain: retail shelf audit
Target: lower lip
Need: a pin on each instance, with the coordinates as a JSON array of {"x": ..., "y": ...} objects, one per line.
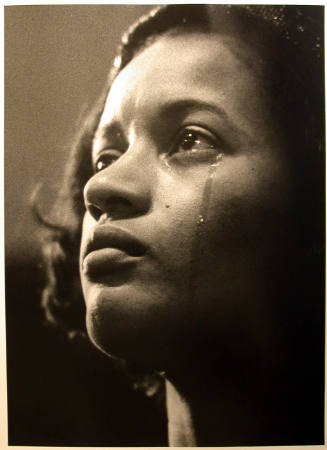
[{"x": 106, "y": 261}]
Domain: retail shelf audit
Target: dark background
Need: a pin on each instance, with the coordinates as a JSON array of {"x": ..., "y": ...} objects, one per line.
[{"x": 61, "y": 391}]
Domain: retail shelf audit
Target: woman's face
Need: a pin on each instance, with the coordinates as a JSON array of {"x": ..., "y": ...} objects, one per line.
[{"x": 187, "y": 205}]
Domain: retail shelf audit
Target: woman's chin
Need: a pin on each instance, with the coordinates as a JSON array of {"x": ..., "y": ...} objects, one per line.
[{"x": 122, "y": 340}]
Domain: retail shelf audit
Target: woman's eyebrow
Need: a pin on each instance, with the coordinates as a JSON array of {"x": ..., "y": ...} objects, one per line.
[
  {"x": 177, "y": 107},
  {"x": 109, "y": 130},
  {"x": 171, "y": 109}
]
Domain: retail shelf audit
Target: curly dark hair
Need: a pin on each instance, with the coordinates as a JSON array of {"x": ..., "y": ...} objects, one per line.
[{"x": 293, "y": 38}]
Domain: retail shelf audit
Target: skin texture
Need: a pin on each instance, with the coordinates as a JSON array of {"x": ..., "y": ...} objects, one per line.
[
  {"x": 211, "y": 215},
  {"x": 189, "y": 160}
]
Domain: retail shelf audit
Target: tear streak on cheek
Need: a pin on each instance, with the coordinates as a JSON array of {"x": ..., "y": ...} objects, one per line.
[{"x": 196, "y": 249}]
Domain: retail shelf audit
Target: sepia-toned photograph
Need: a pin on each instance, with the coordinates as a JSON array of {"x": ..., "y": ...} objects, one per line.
[{"x": 164, "y": 207}]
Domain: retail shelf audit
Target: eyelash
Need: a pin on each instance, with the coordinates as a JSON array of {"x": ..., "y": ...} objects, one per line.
[
  {"x": 107, "y": 155},
  {"x": 191, "y": 135}
]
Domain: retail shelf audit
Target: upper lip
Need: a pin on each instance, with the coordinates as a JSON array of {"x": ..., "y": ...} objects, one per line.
[{"x": 107, "y": 236}]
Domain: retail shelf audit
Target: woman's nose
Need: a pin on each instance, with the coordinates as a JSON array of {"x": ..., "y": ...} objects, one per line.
[{"x": 121, "y": 190}]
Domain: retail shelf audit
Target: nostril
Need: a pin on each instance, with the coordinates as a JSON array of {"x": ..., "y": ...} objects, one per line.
[
  {"x": 95, "y": 212},
  {"x": 115, "y": 208}
]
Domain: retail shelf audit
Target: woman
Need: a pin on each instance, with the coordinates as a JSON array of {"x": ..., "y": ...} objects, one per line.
[{"x": 196, "y": 192}]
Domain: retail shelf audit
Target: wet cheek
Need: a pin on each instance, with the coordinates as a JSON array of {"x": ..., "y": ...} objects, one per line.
[
  {"x": 173, "y": 234},
  {"x": 245, "y": 212},
  {"x": 178, "y": 210},
  {"x": 250, "y": 182}
]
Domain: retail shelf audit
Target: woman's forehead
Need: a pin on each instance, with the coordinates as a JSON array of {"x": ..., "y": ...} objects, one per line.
[
  {"x": 195, "y": 49},
  {"x": 203, "y": 67}
]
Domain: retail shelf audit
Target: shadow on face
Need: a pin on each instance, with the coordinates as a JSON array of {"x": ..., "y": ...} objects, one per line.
[{"x": 189, "y": 161}]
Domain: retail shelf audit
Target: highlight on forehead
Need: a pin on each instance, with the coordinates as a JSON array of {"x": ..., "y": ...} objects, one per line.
[{"x": 299, "y": 25}]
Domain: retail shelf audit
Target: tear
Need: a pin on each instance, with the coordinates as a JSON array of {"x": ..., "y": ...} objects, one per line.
[{"x": 196, "y": 249}]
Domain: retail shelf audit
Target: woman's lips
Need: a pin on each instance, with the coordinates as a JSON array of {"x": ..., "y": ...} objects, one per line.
[
  {"x": 109, "y": 250},
  {"x": 106, "y": 260}
]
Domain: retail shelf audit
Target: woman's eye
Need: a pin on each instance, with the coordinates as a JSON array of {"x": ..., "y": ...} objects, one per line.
[
  {"x": 105, "y": 159},
  {"x": 196, "y": 141}
]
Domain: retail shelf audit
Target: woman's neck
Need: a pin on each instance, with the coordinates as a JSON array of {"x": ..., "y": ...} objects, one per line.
[
  {"x": 205, "y": 412},
  {"x": 181, "y": 432}
]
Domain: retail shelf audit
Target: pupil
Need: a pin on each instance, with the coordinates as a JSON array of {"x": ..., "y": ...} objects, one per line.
[
  {"x": 100, "y": 165},
  {"x": 188, "y": 141}
]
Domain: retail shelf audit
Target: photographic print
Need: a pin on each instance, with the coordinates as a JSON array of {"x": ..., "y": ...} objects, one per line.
[{"x": 165, "y": 225}]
